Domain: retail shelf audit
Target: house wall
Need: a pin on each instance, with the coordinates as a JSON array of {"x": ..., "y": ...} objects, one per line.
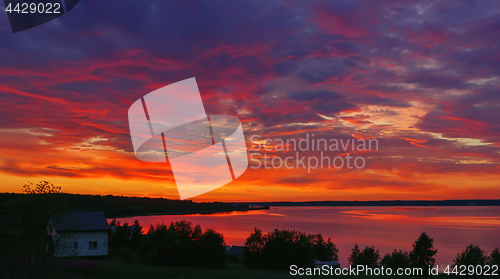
[{"x": 66, "y": 244}]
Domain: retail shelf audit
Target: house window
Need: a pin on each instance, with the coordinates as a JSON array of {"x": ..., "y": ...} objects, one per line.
[
  {"x": 75, "y": 245},
  {"x": 92, "y": 245}
]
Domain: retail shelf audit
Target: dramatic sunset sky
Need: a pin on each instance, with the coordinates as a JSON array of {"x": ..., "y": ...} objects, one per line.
[{"x": 422, "y": 77}]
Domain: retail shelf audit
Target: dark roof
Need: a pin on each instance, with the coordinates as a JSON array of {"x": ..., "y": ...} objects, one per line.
[
  {"x": 80, "y": 221},
  {"x": 235, "y": 250}
]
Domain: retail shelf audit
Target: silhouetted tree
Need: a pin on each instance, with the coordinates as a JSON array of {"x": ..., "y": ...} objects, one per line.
[
  {"x": 181, "y": 244},
  {"x": 472, "y": 255},
  {"x": 369, "y": 256},
  {"x": 396, "y": 259},
  {"x": 252, "y": 253},
  {"x": 114, "y": 223},
  {"x": 353, "y": 258},
  {"x": 211, "y": 250},
  {"x": 121, "y": 236},
  {"x": 283, "y": 248},
  {"x": 157, "y": 247},
  {"x": 495, "y": 257},
  {"x": 422, "y": 255},
  {"x": 324, "y": 250},
  {"x": 135, "y": 235},
  {"x": 279, "y": 249}
]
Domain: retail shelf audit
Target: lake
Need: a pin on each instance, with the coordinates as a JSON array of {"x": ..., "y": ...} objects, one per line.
[{"x": 386, "y": 228}]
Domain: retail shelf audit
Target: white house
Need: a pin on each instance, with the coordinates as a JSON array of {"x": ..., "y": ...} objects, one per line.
[{"x": 81, "y": 233}]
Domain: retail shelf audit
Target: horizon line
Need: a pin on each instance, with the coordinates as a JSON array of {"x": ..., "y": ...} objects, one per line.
[{"x": 257, "y": 202}]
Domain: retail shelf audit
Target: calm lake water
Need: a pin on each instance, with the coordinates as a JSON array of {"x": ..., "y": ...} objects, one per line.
[{"x": 386, "y": 228}]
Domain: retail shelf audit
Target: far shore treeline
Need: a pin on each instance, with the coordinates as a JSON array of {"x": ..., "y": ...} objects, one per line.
[
  {"x": 118, "y": 206},
  {"x": 492, "y": 202}
]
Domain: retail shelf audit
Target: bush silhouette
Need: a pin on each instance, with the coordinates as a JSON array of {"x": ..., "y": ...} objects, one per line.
[
  {"x": 279, "y": 249},
  {"x": 472, "y": 255},
  {"x": 181, "y": 244},
  {"x": 396, "y": 259},
  {"x": 135, "y": 235},
  {"x": 125, "y": 236},
  {"x": 156, "y": 249},
  {"x": 254, "y": 245},
  {"x": 369, "y": 256},
  {"x": 211, "y": 250},
  {"x": 324, "y": 250},
  {"x": 121, "y": 236},
  {"x": 495, "y": 257}
]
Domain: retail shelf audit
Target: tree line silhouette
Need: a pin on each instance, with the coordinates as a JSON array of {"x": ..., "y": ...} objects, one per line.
[
  {"x": 182, "y": 244},
  {"x": 177, "y": 244}
]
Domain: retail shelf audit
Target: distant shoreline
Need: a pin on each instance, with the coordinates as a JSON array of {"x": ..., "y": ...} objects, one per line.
[
  {"x": 123, "y": 207},
  {"x": 382, "y": 203},
  {"x": 189, "y": 212},
  {"x": 268, "y": 205},
  {"x": 120, "y": 206}
]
